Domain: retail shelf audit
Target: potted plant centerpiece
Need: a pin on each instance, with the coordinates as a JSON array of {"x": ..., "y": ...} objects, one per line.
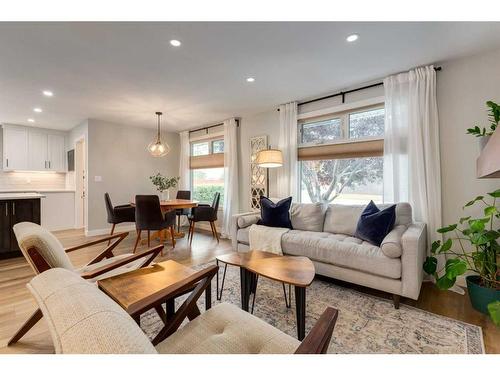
[
  {"x": 494, "y": 118},
  {"x": 472, "y": 248},
  {"x": 164, "y": 184}
]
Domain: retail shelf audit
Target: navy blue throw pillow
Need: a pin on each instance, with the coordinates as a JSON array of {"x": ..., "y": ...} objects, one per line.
[
  {"x": 275, "y": 214},
  {"x": 373, "y": 224}
]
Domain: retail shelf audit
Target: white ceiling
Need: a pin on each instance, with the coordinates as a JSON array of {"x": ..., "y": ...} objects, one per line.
[{"x": 124, "y": 72}]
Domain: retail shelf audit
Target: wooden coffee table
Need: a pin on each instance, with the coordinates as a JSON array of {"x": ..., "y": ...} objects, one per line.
[
  {"x": 293, "y": 270},
  {"x": 143, "y": 289}
]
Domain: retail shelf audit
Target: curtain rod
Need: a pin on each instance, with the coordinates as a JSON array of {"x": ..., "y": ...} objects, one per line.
[
  {"x": 213, "y": 126},
  {"x": 343, "y": 93}
]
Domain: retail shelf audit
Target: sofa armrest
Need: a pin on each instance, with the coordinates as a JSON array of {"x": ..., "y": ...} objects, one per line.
[
  {"x": 239, "y": 221},
  {"x": 414, "y": 241}
]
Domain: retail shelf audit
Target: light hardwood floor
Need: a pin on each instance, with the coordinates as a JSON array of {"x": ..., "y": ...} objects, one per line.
[{"x": 16, "y": 303}]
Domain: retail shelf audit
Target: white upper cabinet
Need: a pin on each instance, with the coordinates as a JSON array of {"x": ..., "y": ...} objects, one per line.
[
  {"x": 15, "y": 148},
  {"x": 38, "y": 150},
  {"x": 33, "y": 149},
  {"x": 56, "y": 153}
]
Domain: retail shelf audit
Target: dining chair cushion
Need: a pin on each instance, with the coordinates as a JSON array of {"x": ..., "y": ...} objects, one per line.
[
  {"x": 136, "y": 264},
  {"x": 31, "y": 235},
  {"x": 82, "y": 319},
  {"x": 227, "y": 329}
]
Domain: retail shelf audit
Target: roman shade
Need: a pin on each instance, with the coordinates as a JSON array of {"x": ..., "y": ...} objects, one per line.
[
  {"x": 344, "y": 150},
  {"x": 207, "y": 161}
]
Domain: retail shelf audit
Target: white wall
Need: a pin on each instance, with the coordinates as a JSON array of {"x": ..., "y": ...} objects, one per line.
[
  {"x": 463, "y": 87},
  {"x": 266, "y": 123},
  {"x": 117, "y": 153}
]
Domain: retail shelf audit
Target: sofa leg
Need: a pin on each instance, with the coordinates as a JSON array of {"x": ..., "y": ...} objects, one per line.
[{"x": 395, "y": 299}]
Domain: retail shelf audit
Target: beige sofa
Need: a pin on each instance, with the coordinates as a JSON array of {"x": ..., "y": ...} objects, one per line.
[{"x": 326, "y": 236}]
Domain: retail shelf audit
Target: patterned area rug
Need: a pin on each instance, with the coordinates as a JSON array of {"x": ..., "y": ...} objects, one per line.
[{"x": 366, "y": 324}]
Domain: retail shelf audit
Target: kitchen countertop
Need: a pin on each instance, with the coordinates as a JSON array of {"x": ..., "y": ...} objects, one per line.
[
  {"x": 9, "y": 196},
  {"x": 37, "y": 191}
]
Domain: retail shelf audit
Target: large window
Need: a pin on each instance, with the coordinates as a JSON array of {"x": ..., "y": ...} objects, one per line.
[
  {"x": 206, "y": 182},
  {"x": 341, "y": 158},
  {"x": 207, "y": 169}
]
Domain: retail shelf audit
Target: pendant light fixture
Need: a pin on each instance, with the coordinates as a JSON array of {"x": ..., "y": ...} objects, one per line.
[{"x": 157, "y": 148}]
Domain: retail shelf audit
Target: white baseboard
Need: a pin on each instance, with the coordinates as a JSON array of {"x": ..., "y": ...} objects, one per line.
[
  {"x": 131, "y": 227},
  {"x": 119, "y": 228}
]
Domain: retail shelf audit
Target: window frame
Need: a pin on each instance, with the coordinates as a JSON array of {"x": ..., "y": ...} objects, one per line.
[
  {"x": 343, "y": 115},
  {"x": 344, "y": 126}
]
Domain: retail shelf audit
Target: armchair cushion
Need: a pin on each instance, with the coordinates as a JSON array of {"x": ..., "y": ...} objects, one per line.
[
  {"x": 227, "y": 329},
  {"x": 82, "y": 319},
  {"x": 31, "y": 235}
]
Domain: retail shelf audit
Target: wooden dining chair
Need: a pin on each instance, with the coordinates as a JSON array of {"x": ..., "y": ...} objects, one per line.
[
  {"x": 44, "y": 251},
  {"x": 148, "y": 217}
]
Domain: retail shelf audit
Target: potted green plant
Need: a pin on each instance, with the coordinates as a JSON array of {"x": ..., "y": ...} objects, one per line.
[
  {"x": 163, "y": 184},
  {"x": 494, "y": 118},
  {"x": 472, "y": 248}
]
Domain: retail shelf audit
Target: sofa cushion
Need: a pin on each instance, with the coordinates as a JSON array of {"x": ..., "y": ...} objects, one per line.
[
  {"x": 308, "y": 216},
  {"x": 82, "y": 319},
  {"x": 275, "y": 214},
  {"x": 340, "y": 218},
  {"x": 341, "y": 250},
  {"x": 374, "y": 224},
  {"x": 227, "y": 329},
  {"x": 391, "y": 244}
]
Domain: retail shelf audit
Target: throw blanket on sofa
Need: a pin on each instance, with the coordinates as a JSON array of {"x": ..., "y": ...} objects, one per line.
[{"x": 265, "y": 238}]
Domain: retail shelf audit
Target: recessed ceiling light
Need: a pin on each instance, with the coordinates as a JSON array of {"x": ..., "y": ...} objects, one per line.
[
  {"x": 352, "y": 38},
  {"x": 48, "y": 93},
  {"x": 175, "y": 42},
  {"x": 250, "y": 79},
  {"x": 31, "y": 120},
  {"x": 37, "y": 110}
]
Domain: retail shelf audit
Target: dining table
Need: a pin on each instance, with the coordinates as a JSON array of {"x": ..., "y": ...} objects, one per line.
[{"x": 170, "y": 205}]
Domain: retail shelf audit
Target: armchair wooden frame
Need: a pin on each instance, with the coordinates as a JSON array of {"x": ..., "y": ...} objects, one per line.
[
  {"x": 41, "y": 265},
  {"x": 316, "y": 342}
]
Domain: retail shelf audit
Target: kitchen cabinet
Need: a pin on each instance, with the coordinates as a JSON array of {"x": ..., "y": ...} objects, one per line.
[
  {"x": 33, "y": 149},
  {"x": 56, "y": 153},
  {"x": 15, "y": 148},
  {"x": 38, "y": 150},
  {"x": 13, "y": 211}
]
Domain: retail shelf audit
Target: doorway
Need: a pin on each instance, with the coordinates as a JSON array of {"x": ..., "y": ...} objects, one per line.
[{"x": 80, "y": 184}]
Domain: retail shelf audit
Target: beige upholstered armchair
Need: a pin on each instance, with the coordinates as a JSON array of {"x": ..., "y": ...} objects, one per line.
[
  {"x": 83, "y": 320},
  {"x": 43, "y": 251}
]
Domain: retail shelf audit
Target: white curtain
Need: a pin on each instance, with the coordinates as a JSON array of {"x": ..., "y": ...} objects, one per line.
[
  {"x": 287, "y": 174},
  {"x": 411, "y": 147},
  {"x": 231, "y": 176},
  {"x": 184, "y": 171}
]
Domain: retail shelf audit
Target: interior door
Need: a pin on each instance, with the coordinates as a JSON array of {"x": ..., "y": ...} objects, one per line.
[
  {"x": 56, "y": 153},
  {"x": 37, "y": 146},
  {"x": 15, "y": 149},
  {"x": 5, "y": 226}
]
